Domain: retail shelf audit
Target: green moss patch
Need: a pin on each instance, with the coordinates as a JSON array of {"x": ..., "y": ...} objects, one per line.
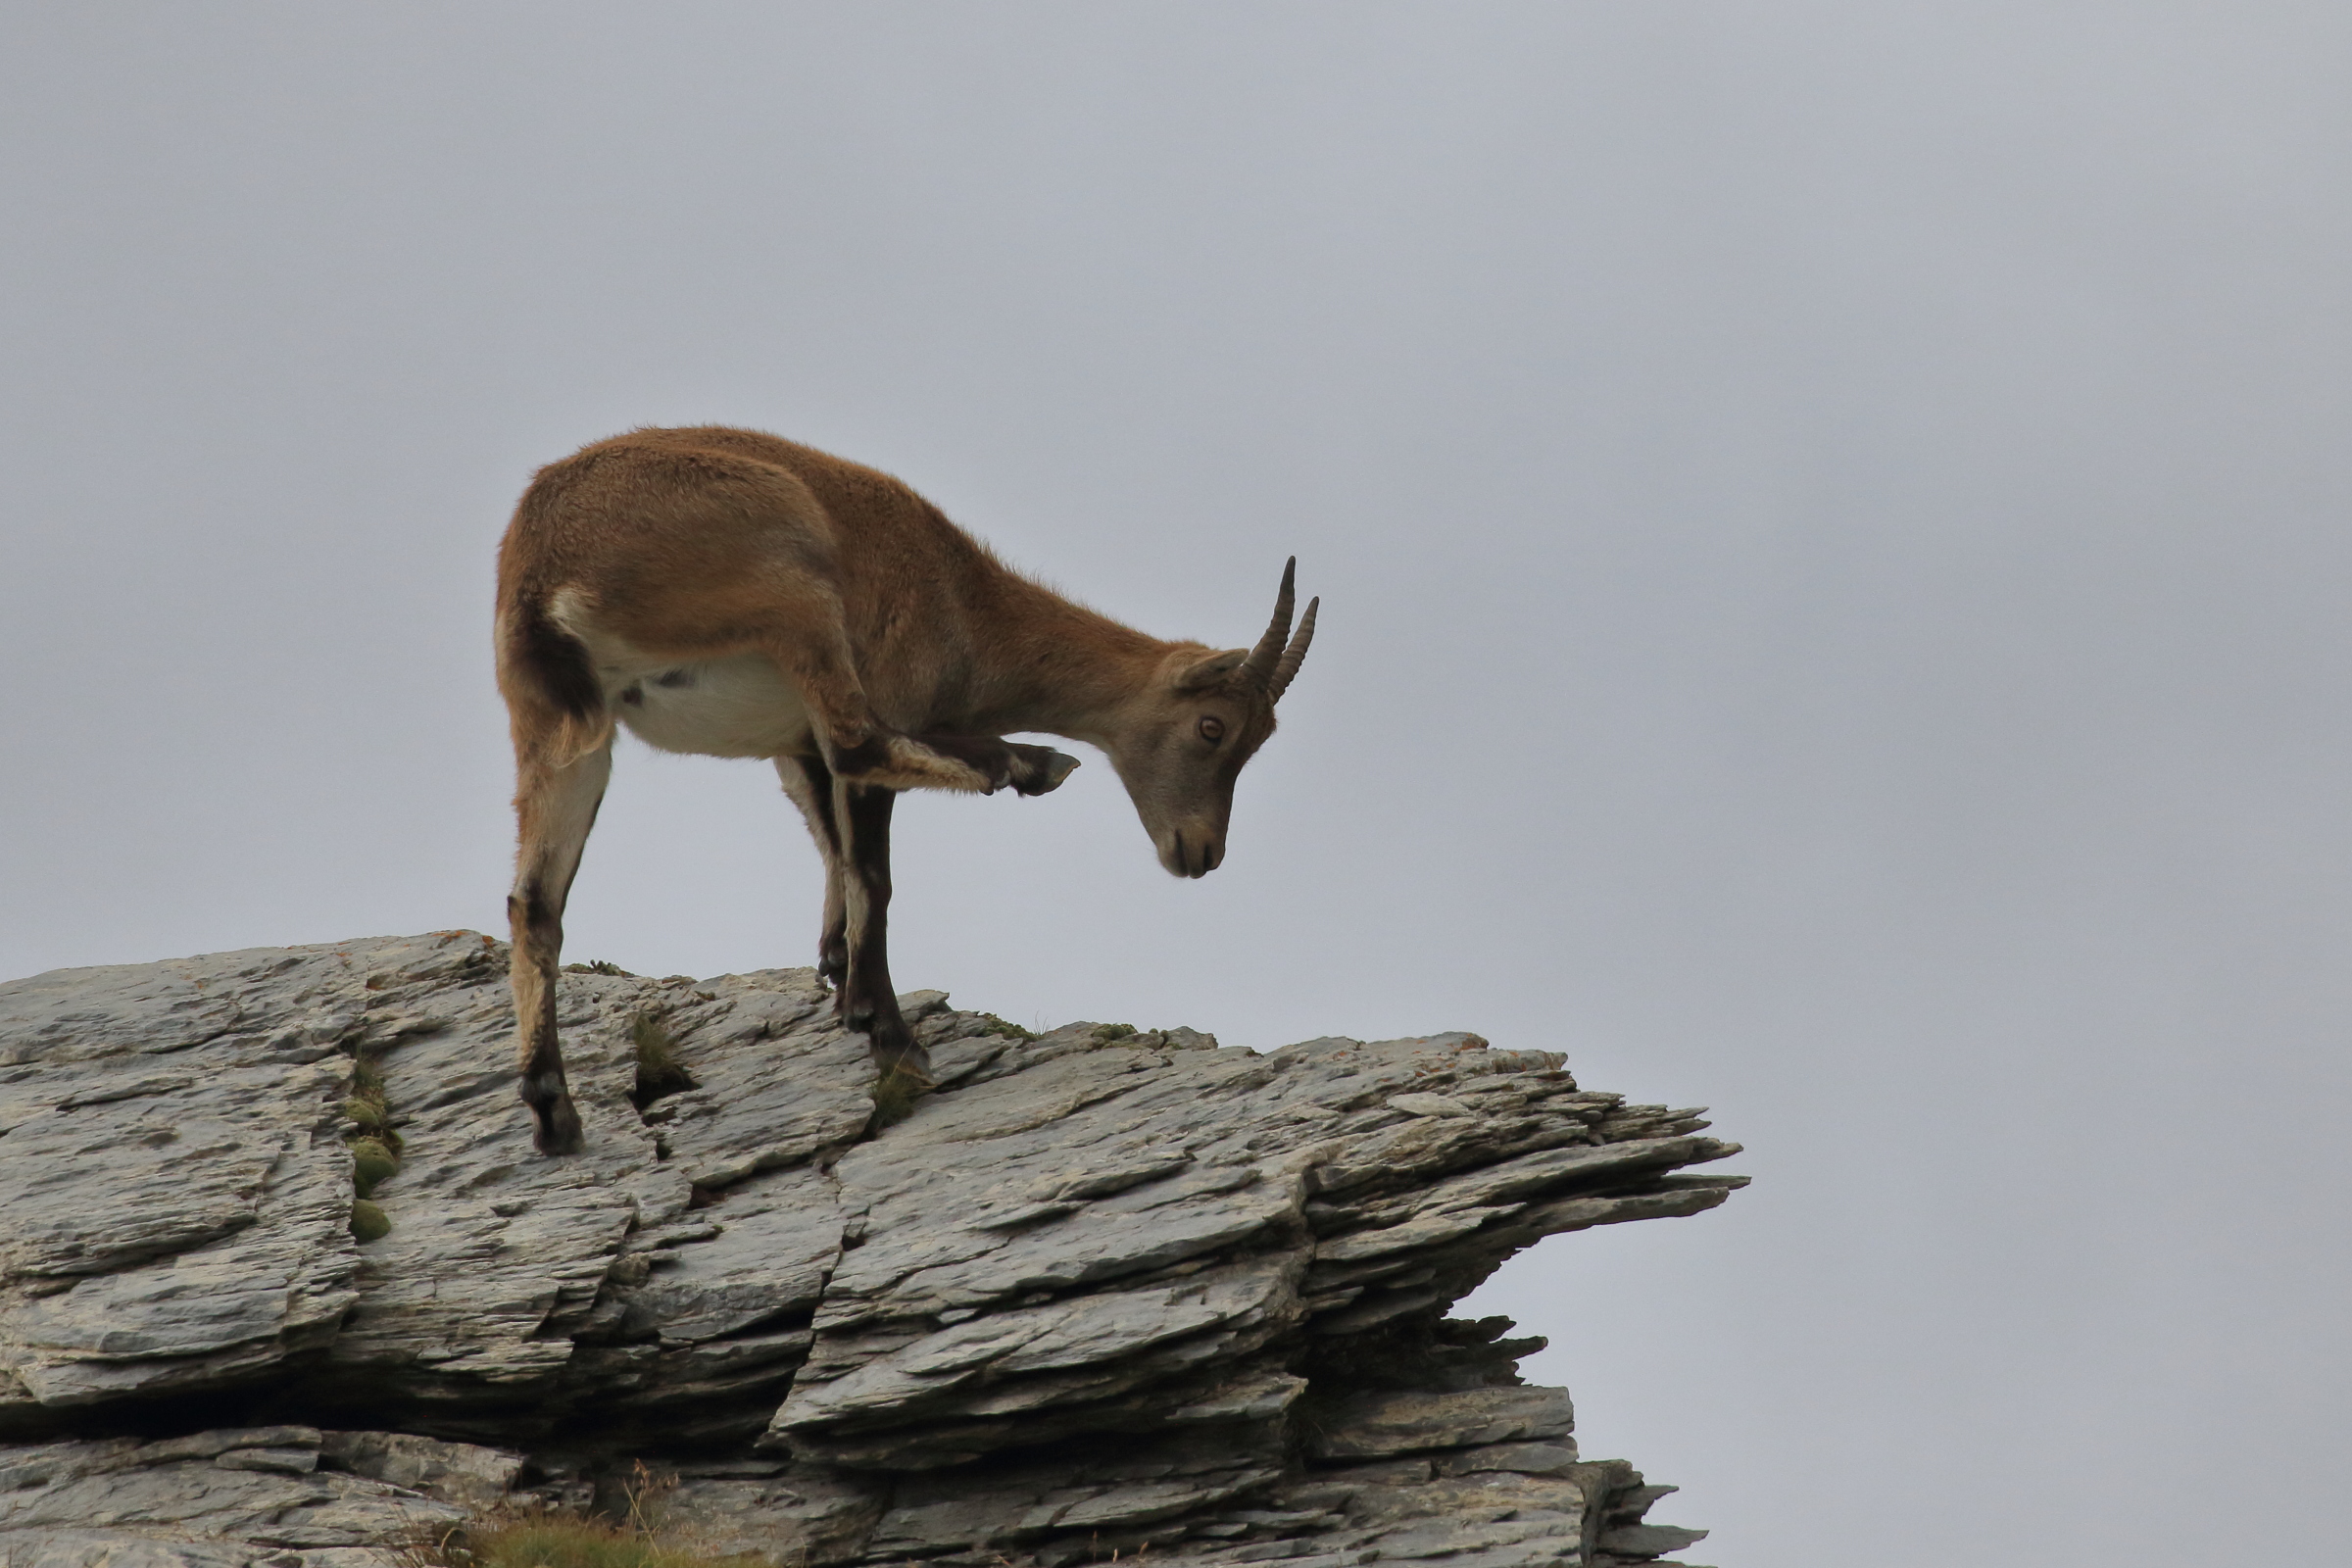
[
  {"x": 375, "y": 1148},
  {"x": 371, "y": 1162}
]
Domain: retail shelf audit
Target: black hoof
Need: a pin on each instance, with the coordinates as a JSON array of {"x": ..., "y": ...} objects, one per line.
[
  {"x": 1039, "y": 770},
  {"x": 555, "y": 1120}
]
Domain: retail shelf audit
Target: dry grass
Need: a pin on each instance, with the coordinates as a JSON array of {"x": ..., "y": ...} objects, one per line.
[
  {"x": 570, "y": 1541},
  {"x": 896, "y": 1096},
  {"x": 565, "y": 1537},
  {"x": 660, "y": 1070},
  {"x": 366, "y": 1105}
]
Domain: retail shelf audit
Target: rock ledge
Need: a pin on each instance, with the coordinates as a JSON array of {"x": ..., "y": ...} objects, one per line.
[{"x": 1105, "y": 1290}]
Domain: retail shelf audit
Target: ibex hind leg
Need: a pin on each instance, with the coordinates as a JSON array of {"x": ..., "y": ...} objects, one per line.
[
  {"x": 555, "y": 807},
  {"x": 809, "y": 783},
  {"x": 867, "y": 1001}
]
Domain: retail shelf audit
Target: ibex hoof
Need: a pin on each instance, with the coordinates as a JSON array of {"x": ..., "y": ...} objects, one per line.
[
  {"x": 1038, "y": 769},
  {"x": 555, "y": 1120}
]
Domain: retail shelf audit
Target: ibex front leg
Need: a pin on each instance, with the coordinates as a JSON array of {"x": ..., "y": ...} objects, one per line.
[
  {"x": 1026, "y": 769},
  {"x": 555, "y": 807},
  {"x": 815, "y": 656},
  {"x": 866, "y": 999}
]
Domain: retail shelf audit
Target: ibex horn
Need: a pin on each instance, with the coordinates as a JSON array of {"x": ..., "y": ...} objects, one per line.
[
  {"x": 1295, "y": 654},
  {"x": 1258, "y": 667}
]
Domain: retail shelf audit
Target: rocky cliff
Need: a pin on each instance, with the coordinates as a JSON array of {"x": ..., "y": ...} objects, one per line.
[{"x": 281, "y": 1281}]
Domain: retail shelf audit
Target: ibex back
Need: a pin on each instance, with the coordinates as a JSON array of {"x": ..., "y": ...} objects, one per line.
[{"x": 734, "y": 594}]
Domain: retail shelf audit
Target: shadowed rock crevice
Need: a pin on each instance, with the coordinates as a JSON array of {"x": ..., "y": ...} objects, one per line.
[{"x": 1101, "y": 1290}]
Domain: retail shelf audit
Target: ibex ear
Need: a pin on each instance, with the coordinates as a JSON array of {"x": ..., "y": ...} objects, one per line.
[{"x": 1210, "y": 672}]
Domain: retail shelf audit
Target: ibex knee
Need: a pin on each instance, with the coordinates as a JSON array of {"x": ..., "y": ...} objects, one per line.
[
  {"x": 530, "y": 914},
  {"x": 865, "y": 758}
]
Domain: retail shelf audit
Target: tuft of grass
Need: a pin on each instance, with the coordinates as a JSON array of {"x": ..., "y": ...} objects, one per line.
[
  {"x": 570, "y": 1538},
  {"x": 367, "y": 1078},
  {"x": 369, "y": 1221},
  {"x": 660, "y": 1070},
  {"x": 597, "y": 967},
  {"x": 991, "y": 1024},
  {"x": 894, "y": 1097},
  {"x": 367, "y": 1106},
  {"x": 570, "y": 1541},
  {"x": 1105, "y": 1033}
]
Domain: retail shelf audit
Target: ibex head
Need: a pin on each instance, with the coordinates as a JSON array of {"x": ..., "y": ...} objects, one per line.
[{"x": 1183, "y": 742}]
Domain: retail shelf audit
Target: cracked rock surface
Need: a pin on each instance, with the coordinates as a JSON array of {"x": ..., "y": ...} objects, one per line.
[{"x": 1103, "y": 1290}]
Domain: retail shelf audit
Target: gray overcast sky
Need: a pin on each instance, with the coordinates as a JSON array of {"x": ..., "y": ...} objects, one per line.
[{"x": 1832, "y": 528}]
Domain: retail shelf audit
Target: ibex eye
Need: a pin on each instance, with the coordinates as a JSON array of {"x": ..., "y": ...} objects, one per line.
[{"x": 1212, "y": 730}]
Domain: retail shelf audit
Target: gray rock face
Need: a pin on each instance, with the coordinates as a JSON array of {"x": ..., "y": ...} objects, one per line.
[
  {"x": 229, "y": 1497},
  {"x": 1103, "y": 1288}
]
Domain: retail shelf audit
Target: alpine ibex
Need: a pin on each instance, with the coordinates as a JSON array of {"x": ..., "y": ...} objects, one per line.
[{"x": 734, "y": 594}]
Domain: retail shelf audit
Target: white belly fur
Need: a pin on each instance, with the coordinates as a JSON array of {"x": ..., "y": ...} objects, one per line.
[
  {"x": 739, "y": 706},
  {"x": 736, "y": 706}
]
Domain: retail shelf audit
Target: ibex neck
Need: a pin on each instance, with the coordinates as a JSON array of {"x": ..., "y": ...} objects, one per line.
[{"x": 1061, "y": 669}]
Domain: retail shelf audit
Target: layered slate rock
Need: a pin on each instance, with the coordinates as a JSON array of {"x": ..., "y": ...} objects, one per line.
[
  {"x": 1104, "y": 1289},
  {"x": 177, "y": 1201},
  {"x": 220, "y": 1492}
]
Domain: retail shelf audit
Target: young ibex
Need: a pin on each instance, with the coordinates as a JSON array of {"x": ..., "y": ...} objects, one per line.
[{"x": 734, "y": 594}]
